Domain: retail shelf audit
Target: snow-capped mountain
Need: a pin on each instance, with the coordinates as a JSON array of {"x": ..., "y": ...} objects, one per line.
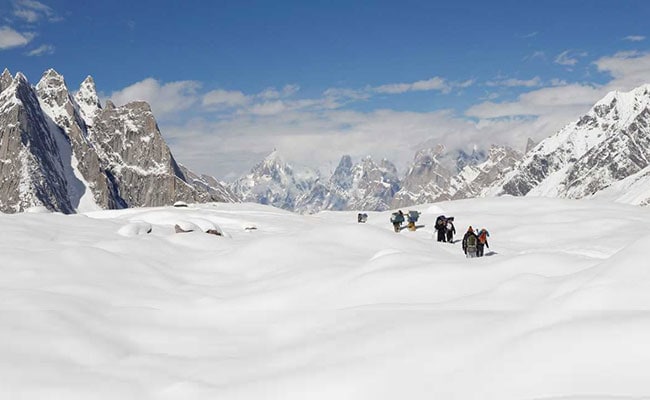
[
  {"x": 88, "y": 187},
  {"x": 87, "y": 100},
  {"x": 210, "y": 185},
  {"x": 426, "y": 181},
  {"x": 474, "y": 158},
  {"x": 275, "y": 182},
  {"x": 373, "y": 185},
  {"x": 608, "y": 144},
  {"x": 67, "y": 153},
  {"x": 31, "y": 168},
  {"x": 474, "y": 179}
]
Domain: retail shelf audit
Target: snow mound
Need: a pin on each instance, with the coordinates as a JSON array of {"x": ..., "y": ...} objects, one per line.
[{"x": 135, "y": 228}]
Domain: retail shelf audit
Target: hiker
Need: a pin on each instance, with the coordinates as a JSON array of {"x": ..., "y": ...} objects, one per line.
[
  {"x": 362, "y": 218},
  {"x": 482, "y": 241},
  {"x": 451, "y": 230},
  {"x": 470, "y": 243},
  {"x": 397, "y": 219},
  {"x": 441, "y": 224},
  {"x": 412, "y": 219}
]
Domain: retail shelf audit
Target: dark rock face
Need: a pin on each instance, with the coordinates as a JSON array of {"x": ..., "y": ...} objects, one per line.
[
  {"x": 475, "y": 180},
  {"x": 426, "y": 181},
  {"x": 31, "y": 172}
]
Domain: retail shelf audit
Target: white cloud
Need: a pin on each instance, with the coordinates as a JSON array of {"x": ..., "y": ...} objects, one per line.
[
  {"x": 534, "y": 82},
  {"x": 228, "y": 145},
  {"x": 164, "y": 99},
  {"x": 268, "y": 108},
  {"x": 629, "y": 69},
  {"x": 546, "y": 101},
  {"x": 10, "y": 38},
  {"x": 41, "y": 50},
  {"x": 224, "y": 98},
  {"x": 435, "y": 83},
  {"x": 569, "y": 57},
  {"x": 32, "y": 11},
  {"x": 273, "y": 93},
  {"x": 634, "y": 38}
]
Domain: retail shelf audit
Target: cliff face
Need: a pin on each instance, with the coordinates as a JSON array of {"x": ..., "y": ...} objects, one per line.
[{"x": 69, "y": 154}]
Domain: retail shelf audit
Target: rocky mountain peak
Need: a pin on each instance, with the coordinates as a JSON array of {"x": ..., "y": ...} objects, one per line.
[
  {"x": 20, "y": 78},
  {"x": 53, "y": 91},
  {"x": 530, "y": 144},
  {"x": 275, "y": 182},
  {"x": 5, "y": 79},
  {"x": 52, "y": 74},
  {"x": 87, "y": 99},
  {"x": 342, "y": 177}
]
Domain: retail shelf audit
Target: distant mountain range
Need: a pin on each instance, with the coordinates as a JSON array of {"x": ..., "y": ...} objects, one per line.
[
  {"x": 374, "y": 186},
  {"x": 67, "y": 152}
]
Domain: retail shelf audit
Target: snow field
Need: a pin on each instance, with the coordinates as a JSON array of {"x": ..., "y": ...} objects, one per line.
[{"x": 321, "y": 307}]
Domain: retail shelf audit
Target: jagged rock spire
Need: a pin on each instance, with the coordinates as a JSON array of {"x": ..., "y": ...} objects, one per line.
[
  {"x": 87, "y": 100},
  {"x": 5, "y": 79}
]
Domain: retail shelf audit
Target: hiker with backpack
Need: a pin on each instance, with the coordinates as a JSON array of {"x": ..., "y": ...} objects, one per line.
[
  {"x": 397, "y": 219},
  {"x": 482, "y": 242},
  {"x": 470, "y": 243},
  {"x": 412, "y": 217},
  {"x": 451, "y": 230},
  {"x": 441, "y": 228}
]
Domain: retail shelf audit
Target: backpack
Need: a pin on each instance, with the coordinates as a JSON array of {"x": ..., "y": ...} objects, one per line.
[
  {"x": 471, "y": 241},
  {"x": 397, "y": 218},
  {"x": 482, "y": 237}
]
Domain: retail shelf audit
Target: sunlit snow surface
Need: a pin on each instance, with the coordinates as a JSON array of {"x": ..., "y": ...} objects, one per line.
[{"x": 285, "y": 306}]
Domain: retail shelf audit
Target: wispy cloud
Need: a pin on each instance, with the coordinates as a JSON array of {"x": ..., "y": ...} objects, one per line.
[
  {"x": 534, "y": 82},
  {"x": 569, "y": 57},
  {"x": 10, "y": 38},
  {"x": 435, "y": 83},
  {"x": 634, "y": 38},
  {"x": 41, "y": 50},
  {"x": 530, "y": 35},
  {"x": 539, "y": 55},
  {"x": 33, "y": 11}
]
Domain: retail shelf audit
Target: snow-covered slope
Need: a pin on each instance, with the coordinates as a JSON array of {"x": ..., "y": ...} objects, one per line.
[{"x": 285, "y": 306}]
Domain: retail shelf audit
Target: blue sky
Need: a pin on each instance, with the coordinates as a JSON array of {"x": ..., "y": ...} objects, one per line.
[{"x": 230, "y": 81}]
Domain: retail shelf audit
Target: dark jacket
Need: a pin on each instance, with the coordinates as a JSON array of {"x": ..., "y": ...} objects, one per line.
[{"x": 467, "y": 236}]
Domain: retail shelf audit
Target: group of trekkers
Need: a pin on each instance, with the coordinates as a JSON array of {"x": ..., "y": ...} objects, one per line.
[
  {"x": 474, "y": 242},
  {"x": 398, "y": 218},
  {"x": 445, "y": 228}
]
